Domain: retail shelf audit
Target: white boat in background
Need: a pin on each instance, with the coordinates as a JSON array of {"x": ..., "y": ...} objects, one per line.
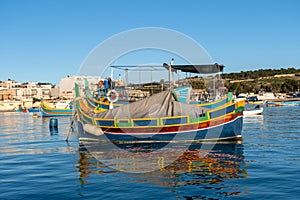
[
  {"x": 251, "y": 110},
  {"x": 63, "y": 104}
]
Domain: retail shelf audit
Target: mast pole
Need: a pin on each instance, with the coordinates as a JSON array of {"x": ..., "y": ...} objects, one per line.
[
  {"x": 170, "y": 69},
  {"x": 126, "y": 77}
]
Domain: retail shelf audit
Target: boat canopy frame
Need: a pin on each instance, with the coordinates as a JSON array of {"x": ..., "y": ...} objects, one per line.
[{"x": 197, "y": 69}]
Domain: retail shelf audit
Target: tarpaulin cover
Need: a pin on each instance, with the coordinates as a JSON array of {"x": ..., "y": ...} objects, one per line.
[{"x": 158, "y": 105}]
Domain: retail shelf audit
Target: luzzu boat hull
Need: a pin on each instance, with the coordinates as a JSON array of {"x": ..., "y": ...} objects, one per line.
[
  {"x": 47, "y": 111},
  {"x": 230, "y": 130},
  {"x": 222, "y": 123}
]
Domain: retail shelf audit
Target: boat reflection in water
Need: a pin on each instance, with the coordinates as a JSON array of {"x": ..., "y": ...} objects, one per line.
[
  {"x": 209, "y": 166},
  {"x": 254, "y": 121}
]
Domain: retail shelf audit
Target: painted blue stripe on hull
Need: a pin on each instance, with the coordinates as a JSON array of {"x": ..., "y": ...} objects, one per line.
[
  {"x": 182, "y": 120},
  {"x": 105, "y": 122},
  {"x": 222, "y": 112},
  {"x": 145, "y": 122}
]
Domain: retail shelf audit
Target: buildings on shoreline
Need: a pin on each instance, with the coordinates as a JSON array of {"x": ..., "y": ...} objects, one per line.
[{"x": 15, "y": 95}]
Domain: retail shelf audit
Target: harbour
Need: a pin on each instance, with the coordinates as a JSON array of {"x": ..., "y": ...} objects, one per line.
[
  {"x": 183, "y": 149},
  {"x": 262, "y": 165},
  {"x": 182, "y": 100}
]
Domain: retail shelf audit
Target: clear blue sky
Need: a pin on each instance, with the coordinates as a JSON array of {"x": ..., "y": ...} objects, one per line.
[{"x": 47, "y": 40}]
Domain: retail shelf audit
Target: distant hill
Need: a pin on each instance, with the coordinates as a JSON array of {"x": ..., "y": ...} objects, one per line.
[
  {"x": 259, "y": 73},
  {"x": 269, "y": 80}
]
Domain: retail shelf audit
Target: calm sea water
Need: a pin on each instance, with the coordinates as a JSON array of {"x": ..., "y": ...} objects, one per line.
[{"x": 38, "y": 164}]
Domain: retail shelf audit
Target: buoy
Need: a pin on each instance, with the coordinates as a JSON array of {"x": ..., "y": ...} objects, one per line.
[
  {"x": 53, "y": 131},
  {"x": 53, "y": 126},
  {"x": 53, "y": 123}
]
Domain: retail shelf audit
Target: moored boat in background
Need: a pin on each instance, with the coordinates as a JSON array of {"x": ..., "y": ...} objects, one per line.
[
  {"x": 282, "y": 103},
  {"x": 33, "y": 109},
  {"x": 251, "y": 110},
  {"x": 51, "y": 111}
]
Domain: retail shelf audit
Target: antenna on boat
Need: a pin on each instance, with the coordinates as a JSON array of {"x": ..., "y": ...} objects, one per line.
[
  {"x": 112, "y": 73},
  {"x": 126, "y": 76},
  {"x": 169, "y": 70}
]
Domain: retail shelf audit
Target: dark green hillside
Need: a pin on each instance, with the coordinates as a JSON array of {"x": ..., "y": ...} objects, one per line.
[
  {"x": 269, "y": 80},
  {"x": 259, "y": 73}
]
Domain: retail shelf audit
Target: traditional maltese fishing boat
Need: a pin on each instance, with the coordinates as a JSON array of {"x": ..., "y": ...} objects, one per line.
[
  {"x": 253, "y": 109},
  {"x": 160, "y": 118},
  {"x": 51, "y": 111}
]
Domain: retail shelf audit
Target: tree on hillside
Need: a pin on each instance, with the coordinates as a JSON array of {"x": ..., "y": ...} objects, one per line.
[{"x": 289, "y": 85}]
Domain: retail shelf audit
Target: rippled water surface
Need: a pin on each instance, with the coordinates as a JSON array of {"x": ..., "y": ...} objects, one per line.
[{"x": 38, "y": 164}]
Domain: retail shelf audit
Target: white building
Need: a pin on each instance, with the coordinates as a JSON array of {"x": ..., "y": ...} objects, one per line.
[
  {"x": 23, "y": 93},
  {"x": 38, "y": 90},
  {"x": 67, "y": 85}
]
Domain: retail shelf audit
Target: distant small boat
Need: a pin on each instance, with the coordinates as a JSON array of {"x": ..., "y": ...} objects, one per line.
[
  {"x": 24, "y": 110},
  {"x": 282, "y": 103},
  {"x": 33, "y": 109},
  {"x": 21, "y": 109},
  {"x": 48, "y": 111},
  {"x": 253, "y": 110}
]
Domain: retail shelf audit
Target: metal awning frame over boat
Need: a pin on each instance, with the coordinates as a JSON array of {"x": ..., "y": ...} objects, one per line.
[
  {"x": 198, "y": 69},
  {"x": 138, "y": 68}
]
